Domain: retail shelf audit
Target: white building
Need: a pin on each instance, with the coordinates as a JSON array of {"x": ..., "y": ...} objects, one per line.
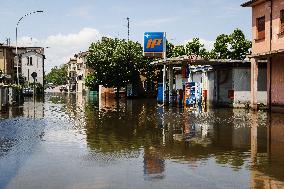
[{"x": 32, "y": 61}]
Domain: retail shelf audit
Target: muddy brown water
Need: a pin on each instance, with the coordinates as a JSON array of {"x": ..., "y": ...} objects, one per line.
[{"x": 76, "y": 141}]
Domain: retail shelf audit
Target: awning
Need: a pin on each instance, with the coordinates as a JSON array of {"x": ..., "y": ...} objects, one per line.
[
  {"x": 267, "y": 54},
  {"x": 193, "y": 60}
]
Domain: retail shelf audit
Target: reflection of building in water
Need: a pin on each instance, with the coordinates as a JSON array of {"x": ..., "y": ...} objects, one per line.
[
  {"x": 154, "y": 164},
  {"x": 267, "y": 169},
  {"x": 75, "y": 107},
  {"x": 33, "y": 109}
]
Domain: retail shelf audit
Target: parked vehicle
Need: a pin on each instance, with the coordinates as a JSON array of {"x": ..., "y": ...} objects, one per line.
[
  {"x": 28, "y": 91},
  {"x": 63, "y": 89}
]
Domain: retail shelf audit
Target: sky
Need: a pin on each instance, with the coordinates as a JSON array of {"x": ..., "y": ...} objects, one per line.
[{"x": 70, "y": 26}]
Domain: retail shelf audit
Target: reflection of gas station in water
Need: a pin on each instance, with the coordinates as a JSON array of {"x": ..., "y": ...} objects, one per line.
[{"x": 154, "y": 164}]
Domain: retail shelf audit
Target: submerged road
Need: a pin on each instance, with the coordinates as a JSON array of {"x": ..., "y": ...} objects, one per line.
[{"x": 74, "y": 141}]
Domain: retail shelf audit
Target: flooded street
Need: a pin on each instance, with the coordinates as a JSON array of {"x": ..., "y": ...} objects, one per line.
[{"x": 80, "y": 142}]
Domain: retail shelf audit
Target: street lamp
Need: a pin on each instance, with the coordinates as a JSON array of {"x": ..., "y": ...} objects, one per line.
[{"x": 18, "y": 78}]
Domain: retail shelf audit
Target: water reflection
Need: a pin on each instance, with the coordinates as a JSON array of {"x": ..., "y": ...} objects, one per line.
[{"x": 223, "y": 148}]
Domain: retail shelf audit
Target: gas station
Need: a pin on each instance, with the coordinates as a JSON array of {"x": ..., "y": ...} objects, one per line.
[{"x": 192, "y": 81}]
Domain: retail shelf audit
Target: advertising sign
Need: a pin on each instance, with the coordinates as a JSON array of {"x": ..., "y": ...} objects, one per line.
[{"x": 154, "y": 44}]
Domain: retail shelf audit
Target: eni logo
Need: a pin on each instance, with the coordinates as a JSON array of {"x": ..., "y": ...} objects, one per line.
[{"x": 152, "y": 43}]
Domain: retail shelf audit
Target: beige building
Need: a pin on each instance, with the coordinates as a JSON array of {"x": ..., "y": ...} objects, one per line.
[
  {"x": 77, "y": 72},
  {"x": 7, "y": 63}
]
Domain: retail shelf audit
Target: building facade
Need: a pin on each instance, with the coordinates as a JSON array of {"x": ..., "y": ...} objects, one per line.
[
  {"x": 32, "y": 61},
  {"x": 77, "y": 73},
  {"x": 268, "y": 44},
  {"x": 7, "y": 63}
]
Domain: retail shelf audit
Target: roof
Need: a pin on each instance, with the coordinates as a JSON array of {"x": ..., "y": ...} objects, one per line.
[
  {"x": 13, "y": 47},
  {"x": 195, "y": 61},
  {"x": 267, "y": 54},
  {"x": 33, "y": 52},
  {"x": 251, "y": 3}
]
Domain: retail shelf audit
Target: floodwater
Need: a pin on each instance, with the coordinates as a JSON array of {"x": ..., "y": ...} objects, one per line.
[{"x": 79, "y": 142}]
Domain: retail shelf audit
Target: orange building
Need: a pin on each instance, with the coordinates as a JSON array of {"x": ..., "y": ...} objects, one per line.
[{"x": 268, "y": 44}]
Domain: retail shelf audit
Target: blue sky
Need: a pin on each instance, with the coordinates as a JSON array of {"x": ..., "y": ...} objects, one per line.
[{"x": 69, "y": 26}]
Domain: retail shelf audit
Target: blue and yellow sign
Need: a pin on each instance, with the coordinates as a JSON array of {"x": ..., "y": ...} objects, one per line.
[{"x": 154, "y": 42}]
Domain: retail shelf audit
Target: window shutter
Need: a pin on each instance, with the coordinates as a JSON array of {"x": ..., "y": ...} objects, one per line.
[
  {"x": 282, "y": 21},
  {"x": 261, "y": 27}
]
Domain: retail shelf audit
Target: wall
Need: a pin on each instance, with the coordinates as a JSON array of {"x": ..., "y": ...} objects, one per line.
[
  {"x": 80, "y": 86},
  {"x": 224, "y": 84},
  {"x": 211, "y": 96},
  {"x": 106, "y": 92},
  {"x": 179, "y": 82},
  {"x": 37, "y": 67},
  {"x": 7, "y": 61},
  {"x": 277, "y": 81},
  {"x": 242, "y": 86},
  {"x": 277, "y": 40},
  {"x": 260, "y": 46}
]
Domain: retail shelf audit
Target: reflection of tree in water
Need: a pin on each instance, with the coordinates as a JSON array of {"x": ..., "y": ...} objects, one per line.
[
  {"x": 123, "y": 131},
  {"x": 116, "y": 130}
]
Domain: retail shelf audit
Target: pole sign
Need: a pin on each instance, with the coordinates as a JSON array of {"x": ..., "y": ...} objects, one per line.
[
  {"x": 34, "y": 75},
  {"x": 155, "y": 44}
]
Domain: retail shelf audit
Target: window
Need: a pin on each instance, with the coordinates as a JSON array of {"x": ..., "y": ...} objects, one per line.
[
  {"x": 282, "y": 21},
  {"x": 31, "y": 61},
  {"x": 261, "y": 28}
]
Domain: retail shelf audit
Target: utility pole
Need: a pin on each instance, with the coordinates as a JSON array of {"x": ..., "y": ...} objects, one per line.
[
  {"x": 128, "y": 53},
  {"x": 128, "y": 27},
  {"x": 17, "y": 25}
]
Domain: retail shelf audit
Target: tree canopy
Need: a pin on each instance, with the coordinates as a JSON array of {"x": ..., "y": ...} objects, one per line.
[
  {"x": 115, "y": 62},
  {"x": 234, "y": 46},
  {"x": 58, "y": 75}
]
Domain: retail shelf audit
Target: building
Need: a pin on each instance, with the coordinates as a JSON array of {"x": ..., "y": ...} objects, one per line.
[
  {"x": 228, "y": 84},
  {"x": 77, "y": 73},
  {"x": 32, "y": 61},
  {"x": 7, "y": 63},
  {"x": 210, "y": 82},
  {"x": 268, "y": 44}
]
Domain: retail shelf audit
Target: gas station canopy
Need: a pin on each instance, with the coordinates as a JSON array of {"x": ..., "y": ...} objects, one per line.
[{"x": 194, "y": 60}]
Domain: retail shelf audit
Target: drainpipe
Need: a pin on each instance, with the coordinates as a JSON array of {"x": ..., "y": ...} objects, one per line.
[
  {"x": 270, "y": 21},
  {"x": 270, "y": 58}
]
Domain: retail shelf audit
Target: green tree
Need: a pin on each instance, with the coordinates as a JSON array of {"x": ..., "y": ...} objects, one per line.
[
  {"x": 115, "y": 62},
  {"x": 234, "y": 46},
  {"x": 195, "y": 47},
  {"x": 169, "y": 49},
  {"x": 90, "y": 82},
  {"x": 57, "y": 75},
  {"x": 240, "y": 46},
  {"x": 179, "y": 50},
  {"x": 152, "y": 74},
  {"x": 221, "y": 47}
]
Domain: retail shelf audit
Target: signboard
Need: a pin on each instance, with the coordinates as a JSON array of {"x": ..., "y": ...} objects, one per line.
[
  {"x": 154, "y": 44},
  {"x": 34, "y": 75}
]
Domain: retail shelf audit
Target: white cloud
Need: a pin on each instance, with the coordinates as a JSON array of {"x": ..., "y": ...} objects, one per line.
[
  {"x": 209, "y": 45},
  {"x": 62, "y": 47}
]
